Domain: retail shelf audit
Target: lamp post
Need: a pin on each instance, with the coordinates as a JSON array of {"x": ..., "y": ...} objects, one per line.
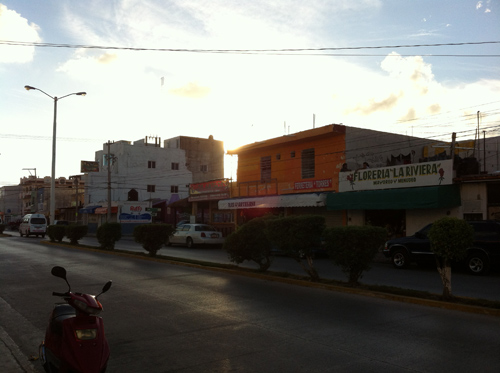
[{"x": 53, "y": 175}]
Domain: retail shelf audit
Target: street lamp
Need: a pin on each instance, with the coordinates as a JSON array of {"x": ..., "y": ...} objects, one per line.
[{"x": 53, "y": 178}]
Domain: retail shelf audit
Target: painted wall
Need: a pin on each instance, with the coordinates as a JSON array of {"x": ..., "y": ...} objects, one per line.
[
  {"x": 286, "y": 163},
  {"x": 377, "y": 148}
]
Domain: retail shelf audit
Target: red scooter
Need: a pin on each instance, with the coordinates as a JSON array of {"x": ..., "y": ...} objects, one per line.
[{"x": 75, "y": 340}]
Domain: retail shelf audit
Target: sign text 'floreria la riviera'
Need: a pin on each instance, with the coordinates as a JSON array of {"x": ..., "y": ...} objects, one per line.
[{"x": 401, "y": 176}]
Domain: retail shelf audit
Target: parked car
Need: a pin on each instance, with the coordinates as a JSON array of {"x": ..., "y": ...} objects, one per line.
[
  {"x": 61, "y": 222},
  {"x": 196, "y": 234},
  {"x": 33, "y": 224},
  {"x": 182, "y": 222},
  {"x": 484, "y": 253}
]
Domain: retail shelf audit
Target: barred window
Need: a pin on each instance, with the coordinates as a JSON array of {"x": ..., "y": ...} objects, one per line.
[
  {"x": 265, "y": 168},
  {"x": 151, "y": 164},
  {"x": 174, "y": 189},
  {"x": 175, "y": 166},
  {"x": 151, "y": 188},
  {"x": 307, "y": 163}
]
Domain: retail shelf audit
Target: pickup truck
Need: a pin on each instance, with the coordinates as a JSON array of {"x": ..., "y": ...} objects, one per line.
[{"x": 484, "y": 253}]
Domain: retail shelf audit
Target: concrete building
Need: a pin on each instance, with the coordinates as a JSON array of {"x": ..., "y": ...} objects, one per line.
[
  {"x": 34, "y": 196},
  {"x": 10, "y": 204},
  {"x": 148, "y": 173}
]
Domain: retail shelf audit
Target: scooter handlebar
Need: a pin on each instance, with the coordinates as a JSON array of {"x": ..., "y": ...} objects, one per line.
[{"x": 59, "y": 294}]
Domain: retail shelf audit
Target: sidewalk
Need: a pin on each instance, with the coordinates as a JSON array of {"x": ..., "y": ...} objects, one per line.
[{"x": 12, "y": 359}]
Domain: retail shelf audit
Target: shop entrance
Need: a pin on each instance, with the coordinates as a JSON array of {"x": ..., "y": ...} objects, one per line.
[{"x": 392, "y": 220}]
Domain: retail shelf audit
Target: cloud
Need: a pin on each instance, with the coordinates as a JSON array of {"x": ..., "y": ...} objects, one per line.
[
  {"x": 480, "y": 5},
  {"x": 410, "y": 115},
  {"x": 434, "y": 109},
  {"x": 13, "y": 27},
  {"x": 107, "y": 58},
  {"x": 191, "y": 90},
  {"x": 373, "y": 106}
]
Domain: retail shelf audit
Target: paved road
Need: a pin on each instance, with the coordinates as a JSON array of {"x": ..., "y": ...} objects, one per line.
[
  {"x": 161, "y": 317},
  {"x": 382, "y": 273}
]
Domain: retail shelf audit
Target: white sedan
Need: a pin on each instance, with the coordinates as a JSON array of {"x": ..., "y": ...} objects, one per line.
[{"x": 196, "y": 234}]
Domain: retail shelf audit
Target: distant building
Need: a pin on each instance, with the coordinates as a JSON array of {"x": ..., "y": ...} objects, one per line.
[
  {"x": 10, "y": 204},
  {"x": 147, "y": 172},
  {"x": 34, "y": 196}
]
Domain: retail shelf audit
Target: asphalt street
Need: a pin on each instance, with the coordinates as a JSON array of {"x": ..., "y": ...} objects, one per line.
[
  {"x": 381, "y": 273},
  {"x": 347, "y": 332}
]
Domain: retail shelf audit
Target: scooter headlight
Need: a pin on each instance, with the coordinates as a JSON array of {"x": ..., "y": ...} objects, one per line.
[
  {"x": 82, "y": 306},
  {"x": 86, "y": 334}
]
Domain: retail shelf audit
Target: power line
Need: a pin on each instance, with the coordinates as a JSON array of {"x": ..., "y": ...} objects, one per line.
[{"x": 283, "y": 51}]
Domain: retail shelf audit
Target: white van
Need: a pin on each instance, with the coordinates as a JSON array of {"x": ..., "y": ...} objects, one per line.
[{"x": 35, "y": 224}]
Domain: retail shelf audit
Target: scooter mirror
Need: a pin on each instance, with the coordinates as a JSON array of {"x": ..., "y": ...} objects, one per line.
[
  {"x": 105, "y": 288},
  {"x": 59, "y": 272}
]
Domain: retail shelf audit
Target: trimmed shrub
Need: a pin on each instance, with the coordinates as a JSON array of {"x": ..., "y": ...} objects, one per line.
[
  {"x": 250, "y": 243},
  {"x": 107, "y": 234},
  {"x": 152, "y": 236},
  {"x": 76, "y": 232},
  {"x": 450, "y": 238},
  {"x": 56, "y": 232},
  {"x": 298, "y": 236},
  {"x": 353, "y": 248}
]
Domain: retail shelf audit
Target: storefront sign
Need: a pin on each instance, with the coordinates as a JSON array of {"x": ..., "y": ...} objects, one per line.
[
  {"x": 313, "y": 184},
  {"x": 403, "y": 176},
  {"x": 210, "y": 190},
  {"x": 89, "y": 166},
  {"x": 135, "y": 212}
]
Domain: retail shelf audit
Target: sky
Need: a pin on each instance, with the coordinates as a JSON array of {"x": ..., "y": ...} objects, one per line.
[{"x": 241, "y": 71}]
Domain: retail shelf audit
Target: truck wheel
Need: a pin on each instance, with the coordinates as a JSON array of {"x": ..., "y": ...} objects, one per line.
[
  {"x": 478, "y": 263},
  {"x": 400, "y": 258}
]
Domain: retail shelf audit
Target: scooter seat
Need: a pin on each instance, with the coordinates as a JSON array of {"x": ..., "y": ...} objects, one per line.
[{"x": 60, "y": 313}]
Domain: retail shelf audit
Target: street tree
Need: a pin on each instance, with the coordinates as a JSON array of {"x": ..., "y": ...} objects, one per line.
[
  {"x": 250, "y": 243},
  {"x": 353, "y": 248},
  {"x": 298, "y": 236},
  {"x": 450, "y": 238}
]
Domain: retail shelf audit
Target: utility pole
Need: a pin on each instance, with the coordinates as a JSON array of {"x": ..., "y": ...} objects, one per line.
[
  {"x": 36, "y": 189},
  {"x": 76, "y": 181},
  {"x": 109, "y": 181},
  {"x": 453, "y": 140}
]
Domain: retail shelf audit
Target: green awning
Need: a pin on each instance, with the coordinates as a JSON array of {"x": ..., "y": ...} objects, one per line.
[{"x": 396, "y": 199}]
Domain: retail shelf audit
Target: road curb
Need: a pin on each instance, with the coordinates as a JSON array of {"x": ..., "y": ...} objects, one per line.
[{"x": 299, "y": 282}]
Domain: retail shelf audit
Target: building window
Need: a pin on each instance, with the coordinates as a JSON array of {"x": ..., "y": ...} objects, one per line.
[
  {"x": 175, "y": 166},
  {"x": 151, "y": 164},
  {"x": 265, "y": 168},
  {"x": 307, "y": 163},
  {"x": 204, "y": 168},
  {"x": 151, "y": 188},
  {"x": 174, "y": 189},
  {"x": 278, "y": 156},
  {"x": 292, "y": 154}
]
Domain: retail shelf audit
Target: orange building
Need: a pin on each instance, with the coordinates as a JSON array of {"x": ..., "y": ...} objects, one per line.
[{"x": 288, "y": 175}]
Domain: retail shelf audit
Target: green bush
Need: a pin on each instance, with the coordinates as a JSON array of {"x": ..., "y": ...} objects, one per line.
[
  {"x": 107, "y": 234},
  {"x": 152, "y": 236},
  {"x": 298, "y": 236},
  {"x": 353, "y": 248},
  {"x": 76, "y": 232},
  {"x": 250, "y": 243},
  {"x": 450, "y": 238},
  {"x": 2, "y": 228},
  {"x": 56, "y": 232}
]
